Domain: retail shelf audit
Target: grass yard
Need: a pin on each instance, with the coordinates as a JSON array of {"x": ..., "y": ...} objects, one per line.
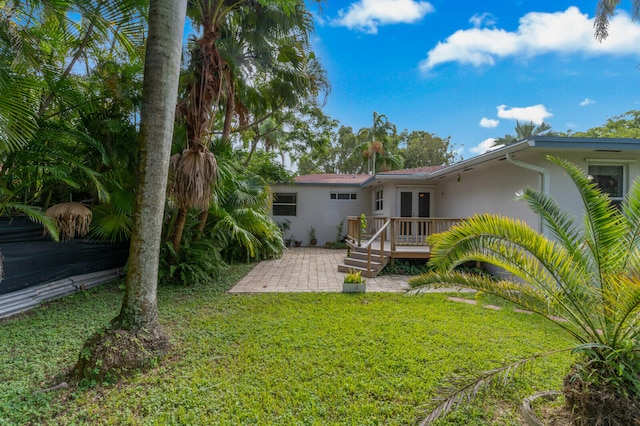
[{"x": 290, "y": 359}]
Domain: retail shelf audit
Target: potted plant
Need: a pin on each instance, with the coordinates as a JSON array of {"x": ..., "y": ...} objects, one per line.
[
  {"x": 292, "y": 239},
  {"x": 312, "y": 236},
  {"x": 284, "y": 226},
  {"x": 354, "y": 283},
  {"x": 363, "y": 229}
]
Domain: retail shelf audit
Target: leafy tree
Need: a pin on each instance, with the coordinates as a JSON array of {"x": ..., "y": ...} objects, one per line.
[
  {"x": 135, "y": 337},
  {"x": 426, "y": 149},
  {"x": 625, "y": 125},
  {"x": 585, "y": 280},
  {"x": 344, "y": 157}
]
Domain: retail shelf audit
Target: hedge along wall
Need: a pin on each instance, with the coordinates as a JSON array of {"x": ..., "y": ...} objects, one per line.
[{"x": 30, "y": 258}]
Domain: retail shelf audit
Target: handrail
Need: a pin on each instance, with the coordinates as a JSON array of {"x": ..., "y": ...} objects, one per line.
[
  {"x": 377, "y": 234},
  {"x": 382, "y": 231}
]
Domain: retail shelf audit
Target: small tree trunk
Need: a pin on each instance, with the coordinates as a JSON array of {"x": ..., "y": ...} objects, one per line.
[
  {"x": 179, "y": 228},
  {"x": 203, "y": 222},
  {"x": 254, "y": 145}
]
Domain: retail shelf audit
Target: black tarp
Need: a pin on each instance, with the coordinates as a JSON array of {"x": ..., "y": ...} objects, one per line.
[{"x": 30, "y": 258}]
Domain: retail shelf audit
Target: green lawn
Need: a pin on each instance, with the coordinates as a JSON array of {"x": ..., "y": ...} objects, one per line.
[{"x": 290, "y": 359}]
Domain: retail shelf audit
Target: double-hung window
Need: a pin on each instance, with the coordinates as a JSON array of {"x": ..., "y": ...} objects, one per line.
[{"x": 379, "y": 204}]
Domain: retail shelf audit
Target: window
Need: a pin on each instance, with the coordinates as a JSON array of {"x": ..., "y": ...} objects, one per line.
[
  {"x": 285, "y": 203},
  {"x": 343, "y": 196},
  {"x": 379, "y": 202},
  {"x": 610, "y": 180}
]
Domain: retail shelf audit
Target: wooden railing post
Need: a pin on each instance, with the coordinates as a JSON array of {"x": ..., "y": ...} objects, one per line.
[{"x": 393, "y": 235}]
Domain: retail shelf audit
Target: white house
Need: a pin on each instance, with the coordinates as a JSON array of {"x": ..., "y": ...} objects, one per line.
[{"x": 487, "y": 183}]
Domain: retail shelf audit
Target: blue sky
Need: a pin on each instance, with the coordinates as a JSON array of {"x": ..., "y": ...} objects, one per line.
[{"x": 470, "y": 69}]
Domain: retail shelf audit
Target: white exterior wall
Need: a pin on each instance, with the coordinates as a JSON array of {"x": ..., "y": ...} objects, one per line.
[
  {"x": 563, "y": 189},
  {"x": 492, "y": 188},
  {"x": 388, "y": 199},
  {"x": 391, "y": 200},
  {"x": 315, "y": 208},
  {"x": 486, "y": 190}
]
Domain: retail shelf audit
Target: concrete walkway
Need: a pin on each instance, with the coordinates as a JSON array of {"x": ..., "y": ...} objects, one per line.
[{"x": 309, "y": 269}]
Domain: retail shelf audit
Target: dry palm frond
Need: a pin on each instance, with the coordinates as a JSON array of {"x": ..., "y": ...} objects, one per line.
[
  {"x": 72, "y": 219},
  {"x": 485, "y": 381},
  {"x": 193, "y": 174}
]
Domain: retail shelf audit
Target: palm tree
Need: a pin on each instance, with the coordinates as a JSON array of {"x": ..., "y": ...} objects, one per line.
[
  {"x": 241, "y": 45},
  {"x": 46, "y": 151},
  {"x": 585, "y": 280},
  {"x": 135, "y": 336},
  {"x": 525, "y": 130},
  {"x": 604, "y": 12},
  {"x": 377, "y": 143}
]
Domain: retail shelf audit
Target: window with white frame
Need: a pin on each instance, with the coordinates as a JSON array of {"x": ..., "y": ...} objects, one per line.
[
  {"x": 379, "y": 200},
  {"x": 285, "y": 203},
  {"x": 343, "y": 196},
  {"x": 609, "y": 178}
]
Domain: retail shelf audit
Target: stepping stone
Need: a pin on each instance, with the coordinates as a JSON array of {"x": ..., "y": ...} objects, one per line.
[
  {"x": 494, "y": 307},
  {"x": 460, "y": 299}
]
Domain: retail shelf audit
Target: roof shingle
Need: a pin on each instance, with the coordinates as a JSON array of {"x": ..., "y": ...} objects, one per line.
[{"x": 338, "y": 179}]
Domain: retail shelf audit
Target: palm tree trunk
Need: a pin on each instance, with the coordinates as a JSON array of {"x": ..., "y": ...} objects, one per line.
[
  {"x": 135, "y": 337},
  {"x": 203, "y": 222},
  {"x": 228, "y": 113},
  {"x": 178, "y": 229}
]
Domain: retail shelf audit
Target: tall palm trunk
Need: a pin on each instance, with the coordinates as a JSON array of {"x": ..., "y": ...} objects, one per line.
[{"x": 135, "y": 336}]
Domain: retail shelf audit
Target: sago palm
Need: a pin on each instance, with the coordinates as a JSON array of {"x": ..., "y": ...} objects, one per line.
[{"x": 585, "y": 279}]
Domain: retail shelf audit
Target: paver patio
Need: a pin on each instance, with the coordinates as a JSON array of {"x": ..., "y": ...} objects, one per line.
[{"x": 309, "y": 269}]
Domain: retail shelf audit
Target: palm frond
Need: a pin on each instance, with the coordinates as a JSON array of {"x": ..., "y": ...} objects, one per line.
[
  {"x": 631, "y": 212},
  {"x": 35, "y": 214},
  {"x": 487, "y": 380},
  {"x": 193, "y": 174},
  {"x": 559, "y": 222},
  {"x": 604, "y": 230}
]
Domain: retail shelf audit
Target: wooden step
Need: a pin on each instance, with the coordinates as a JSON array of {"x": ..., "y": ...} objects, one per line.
[
  {"x": 362, "y": 263},
  {"x": 363, "y": 271},
  {"x": 375, "y": 257}
]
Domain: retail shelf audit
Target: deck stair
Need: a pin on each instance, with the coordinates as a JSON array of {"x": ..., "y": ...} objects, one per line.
[{"x": 358, "y": 261}]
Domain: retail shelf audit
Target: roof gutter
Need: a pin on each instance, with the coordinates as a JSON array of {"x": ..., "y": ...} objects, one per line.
[{"x": 544, "y": 176}]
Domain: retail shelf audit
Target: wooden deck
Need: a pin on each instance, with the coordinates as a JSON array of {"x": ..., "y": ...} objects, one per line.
[{"x": 399, "y": 237}]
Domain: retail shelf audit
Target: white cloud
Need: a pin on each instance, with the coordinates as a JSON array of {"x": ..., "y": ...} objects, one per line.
[
  {"x": 483, "y": 147},
  {"x": 489, "y": 123},
  {"x": 587, "y": 101},
  {"x": 367, "y": 15},
  {"x": 534, "y": 113},
  {"x": 538, "y": 33},
  {"x": 482, "y": 20}
]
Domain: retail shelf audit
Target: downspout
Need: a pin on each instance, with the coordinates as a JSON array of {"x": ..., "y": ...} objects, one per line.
[{"x": 544, "y": 176}]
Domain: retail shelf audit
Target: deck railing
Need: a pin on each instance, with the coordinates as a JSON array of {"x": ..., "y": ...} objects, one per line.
[{"x": 405, "y": 231}]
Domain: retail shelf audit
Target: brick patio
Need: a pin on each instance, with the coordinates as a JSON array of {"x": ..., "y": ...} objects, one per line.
[{"x": 309, "y": 269}]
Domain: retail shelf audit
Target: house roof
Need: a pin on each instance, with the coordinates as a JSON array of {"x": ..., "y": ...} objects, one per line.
[
  {"x": 413, "y": 171},
  {"x": 332, "y": 179},
  {"x": 545, "y": 144},
  {"x": 536, "y": 143}
]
